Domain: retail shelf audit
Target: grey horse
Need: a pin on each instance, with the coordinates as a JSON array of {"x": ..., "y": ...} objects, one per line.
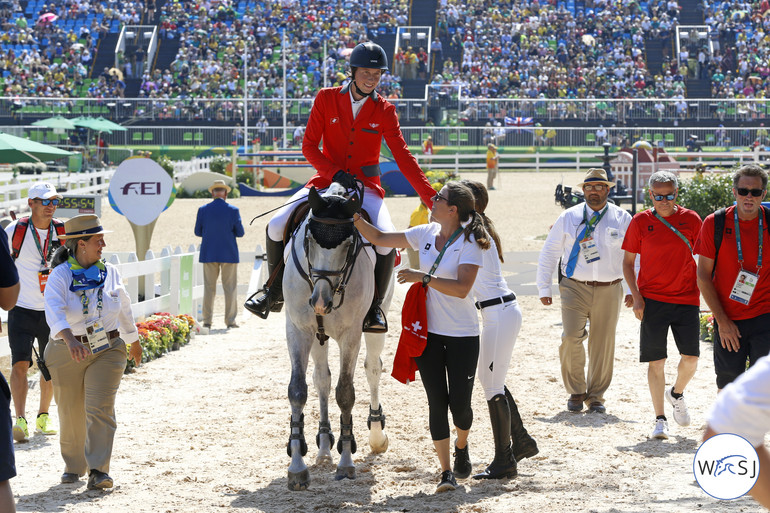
[{"x": 328, "y": 287}]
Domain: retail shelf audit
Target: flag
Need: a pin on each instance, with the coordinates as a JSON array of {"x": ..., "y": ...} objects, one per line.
[{"x": 520, "y": 124}]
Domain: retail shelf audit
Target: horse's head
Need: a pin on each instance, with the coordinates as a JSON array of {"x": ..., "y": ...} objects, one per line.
[{"x": 330, "y": 240}]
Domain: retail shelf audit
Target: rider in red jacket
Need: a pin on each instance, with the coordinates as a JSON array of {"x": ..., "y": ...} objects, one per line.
[{"x": 350, "y": 122}]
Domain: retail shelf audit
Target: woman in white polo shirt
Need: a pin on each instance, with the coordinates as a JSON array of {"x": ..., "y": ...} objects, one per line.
[
  {"x": 448, "y": 364},
  {"x": 89, "y": 313},
  {"x": 501, "y": 318}
]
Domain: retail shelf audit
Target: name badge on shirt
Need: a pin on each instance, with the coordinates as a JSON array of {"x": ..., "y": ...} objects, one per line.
[
  {"x": 589, "y": 250},
  {"x": 744, "y": 287},
  {"x": 97, "y": 337},
  {"x": 42, "y": 278}
]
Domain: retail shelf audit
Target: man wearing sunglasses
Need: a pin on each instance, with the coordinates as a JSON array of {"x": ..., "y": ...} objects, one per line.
[
  {"x": 741, "y": 307},
  {"x": 588, "y": 239},
  {"x": 665, "y": 293},
  {"x": 33, "y": 240}
]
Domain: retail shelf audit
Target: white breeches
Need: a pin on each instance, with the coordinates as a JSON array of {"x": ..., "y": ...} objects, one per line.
[{"x": 501, "y": 325}]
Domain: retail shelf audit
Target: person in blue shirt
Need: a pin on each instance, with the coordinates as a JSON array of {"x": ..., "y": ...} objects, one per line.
[{"x": 219, "y": 224}]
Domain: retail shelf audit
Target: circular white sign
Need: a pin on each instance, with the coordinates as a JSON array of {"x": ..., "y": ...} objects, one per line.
[
  {"x": 726, "y": 466},
  {"x": 140, "y": 189}
]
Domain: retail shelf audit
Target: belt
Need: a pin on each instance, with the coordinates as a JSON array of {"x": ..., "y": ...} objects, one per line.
[
  {"x": 495, "y": 301},
  {"x": 598, "y": 283},
  {"x": 110, "y": 336}
]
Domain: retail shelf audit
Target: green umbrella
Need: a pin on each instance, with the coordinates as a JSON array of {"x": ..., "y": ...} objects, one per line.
[
  {"x": 15, "y": 149},
  {"x": 91, "y": 123},
  {"x": 109, "y": 125},
  {"x": 56, "y": 122}
]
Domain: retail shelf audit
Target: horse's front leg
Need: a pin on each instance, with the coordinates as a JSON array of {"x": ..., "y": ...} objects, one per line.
[
  {"x": 299, "y": 351},
  {"x": 378, "y": 440},
  {"x": 346, "y": 398},
  {"x": 322, "y": 378}
]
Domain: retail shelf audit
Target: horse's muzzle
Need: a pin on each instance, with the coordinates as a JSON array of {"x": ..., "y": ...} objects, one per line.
[{"x": 319, "y": 305}]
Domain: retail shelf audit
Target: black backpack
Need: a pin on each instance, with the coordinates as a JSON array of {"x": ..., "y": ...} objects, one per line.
[{"x": 719, "y": 228}]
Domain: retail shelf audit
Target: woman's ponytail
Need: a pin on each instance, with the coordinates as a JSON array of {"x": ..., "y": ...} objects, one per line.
[{"x": 476, "y": 227}]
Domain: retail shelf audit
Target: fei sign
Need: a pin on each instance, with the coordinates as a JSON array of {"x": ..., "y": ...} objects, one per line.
[{"x": 140, "y": 190}]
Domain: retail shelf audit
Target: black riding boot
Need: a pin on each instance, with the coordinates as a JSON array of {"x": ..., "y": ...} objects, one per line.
[
  {"x": 272, "y": 299},
  {"x": 504, "y": 464},
  {"x": 524, "y": 446},
  {"x": 375, "y": 320}
]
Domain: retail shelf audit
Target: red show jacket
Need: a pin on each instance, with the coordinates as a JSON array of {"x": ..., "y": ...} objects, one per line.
[{"x": 354, "y": 145}]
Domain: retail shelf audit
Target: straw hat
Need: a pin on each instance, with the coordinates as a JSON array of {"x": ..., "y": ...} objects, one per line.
[
  {"x": 83, "y": 226},
  {"x": 219, "y": 184},
  {"x": 596, "y": 175}
]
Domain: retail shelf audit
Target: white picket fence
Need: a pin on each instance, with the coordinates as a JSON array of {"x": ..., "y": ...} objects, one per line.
[
  {"x": 13, "y": 195},
  {"x": 162, "y": 276}
]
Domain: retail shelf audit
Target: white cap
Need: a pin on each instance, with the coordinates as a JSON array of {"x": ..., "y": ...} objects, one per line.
[{"x": 42, "y": 190}]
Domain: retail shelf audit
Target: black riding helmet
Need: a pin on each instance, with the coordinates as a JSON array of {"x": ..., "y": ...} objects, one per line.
[{"x": 369, "y": 55}]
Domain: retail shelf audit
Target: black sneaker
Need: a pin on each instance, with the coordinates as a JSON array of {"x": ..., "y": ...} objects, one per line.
[
  {"x": 462, "y": 467},
  {"x": 447, "y": 482}
]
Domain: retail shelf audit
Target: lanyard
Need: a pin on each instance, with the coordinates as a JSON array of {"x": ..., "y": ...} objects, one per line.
[
  {"x": 738, "y": 239},
  {"x": 448, "y": 243},
  {"x": 677, "y": 232},
  {"x": 42, "y": 248},
  {"x": 99, "y": 304},
  {"x": 593, "y": 222}
]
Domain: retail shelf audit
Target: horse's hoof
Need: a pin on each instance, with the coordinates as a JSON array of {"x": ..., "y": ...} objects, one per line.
[
  {"x": 299, "y": 481},
  {"x": 324, "y": 457},
  {"x": 345, "y": 473},
  {"x": 380, "y": 445}
]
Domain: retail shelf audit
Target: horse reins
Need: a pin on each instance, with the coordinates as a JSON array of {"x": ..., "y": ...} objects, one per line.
[{"x": 344, "y": 274}]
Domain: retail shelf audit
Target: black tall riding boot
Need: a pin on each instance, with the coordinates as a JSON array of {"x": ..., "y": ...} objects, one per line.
[
  {"x": 375, "y": 320},
  {"x": 524, "y": 446},
  {"x": 504, "y": 464},
  {"x": 272, "y": 299}
]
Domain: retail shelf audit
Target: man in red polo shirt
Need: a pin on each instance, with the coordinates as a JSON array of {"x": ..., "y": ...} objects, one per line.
[
  {"x": 351, "y": 121},
  {"x": 665, "y": 293},
  {"x": 732, "y": 279}
]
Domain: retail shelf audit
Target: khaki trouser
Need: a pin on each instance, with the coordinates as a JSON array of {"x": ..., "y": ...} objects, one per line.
[
  {"x": 600, "y": 305},
  {"x": 85, "y": 395},
  {"x": 230, "y": 286}
]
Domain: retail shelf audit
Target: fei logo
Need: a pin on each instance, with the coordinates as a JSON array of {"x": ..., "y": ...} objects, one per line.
[{"x": 726, "y": 466}]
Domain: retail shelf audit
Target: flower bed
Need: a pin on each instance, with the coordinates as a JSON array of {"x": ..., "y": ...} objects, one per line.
[
  {"x": 707, "y": 327},
  {"x": 161, "y": 333}
]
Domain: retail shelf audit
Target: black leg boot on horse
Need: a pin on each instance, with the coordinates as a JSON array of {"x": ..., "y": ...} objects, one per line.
[
  {"x": 375, "y": 321},
  {"x": 524, "y": 446},
  {"x": 272, "y": 299},
  {"x": 504, "y": 464}
]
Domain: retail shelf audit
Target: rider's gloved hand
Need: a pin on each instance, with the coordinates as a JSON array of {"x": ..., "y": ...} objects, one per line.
[{"x": 345, "y": 179}]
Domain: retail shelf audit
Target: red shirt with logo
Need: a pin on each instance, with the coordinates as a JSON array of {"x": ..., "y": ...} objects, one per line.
[
  {"x": 667, "y": 269},
  {"x": 727, "y": 266}
]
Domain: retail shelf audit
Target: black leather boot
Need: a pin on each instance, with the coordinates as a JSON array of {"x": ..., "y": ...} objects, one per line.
[
  {"x": 272, "y": 299},
  {"x": 504, "y": 464},
  {"x": 524, "y": 446},
  {"x": 375, "y": 320}
]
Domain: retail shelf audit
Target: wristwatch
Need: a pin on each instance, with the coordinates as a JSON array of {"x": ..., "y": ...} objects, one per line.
[{"x": 426, "y": 279}]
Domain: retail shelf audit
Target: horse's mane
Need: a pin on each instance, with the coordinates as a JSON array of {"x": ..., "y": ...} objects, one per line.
[{"x": 329, "y": 236}]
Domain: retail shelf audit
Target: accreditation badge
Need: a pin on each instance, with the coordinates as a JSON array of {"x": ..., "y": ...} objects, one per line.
[
  {"x": 589, "y": 250},
  {"x": 42, "y": 278},
  {"x": 97, "y": 337},
  {"x": 744, "y": 287}
]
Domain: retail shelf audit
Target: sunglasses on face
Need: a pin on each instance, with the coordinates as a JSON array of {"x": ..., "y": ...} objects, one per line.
[
  {"x": 594, "y": 187},
  {"x": 46, "y": 202},
  {"x": 745, "y": 192},
  {"x": 661, "y": 197},
  {"x": 439, "y": 197}
]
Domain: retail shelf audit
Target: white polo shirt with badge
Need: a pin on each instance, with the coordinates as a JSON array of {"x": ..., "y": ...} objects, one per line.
[
  {"x": 28, "y": 265},
  {"x": 447, "y": 315}
]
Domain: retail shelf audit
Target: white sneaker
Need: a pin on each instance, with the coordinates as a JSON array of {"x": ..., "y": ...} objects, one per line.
[
  {"x": 661, "y": 430},
  {"x": 681, "y": 415}
]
